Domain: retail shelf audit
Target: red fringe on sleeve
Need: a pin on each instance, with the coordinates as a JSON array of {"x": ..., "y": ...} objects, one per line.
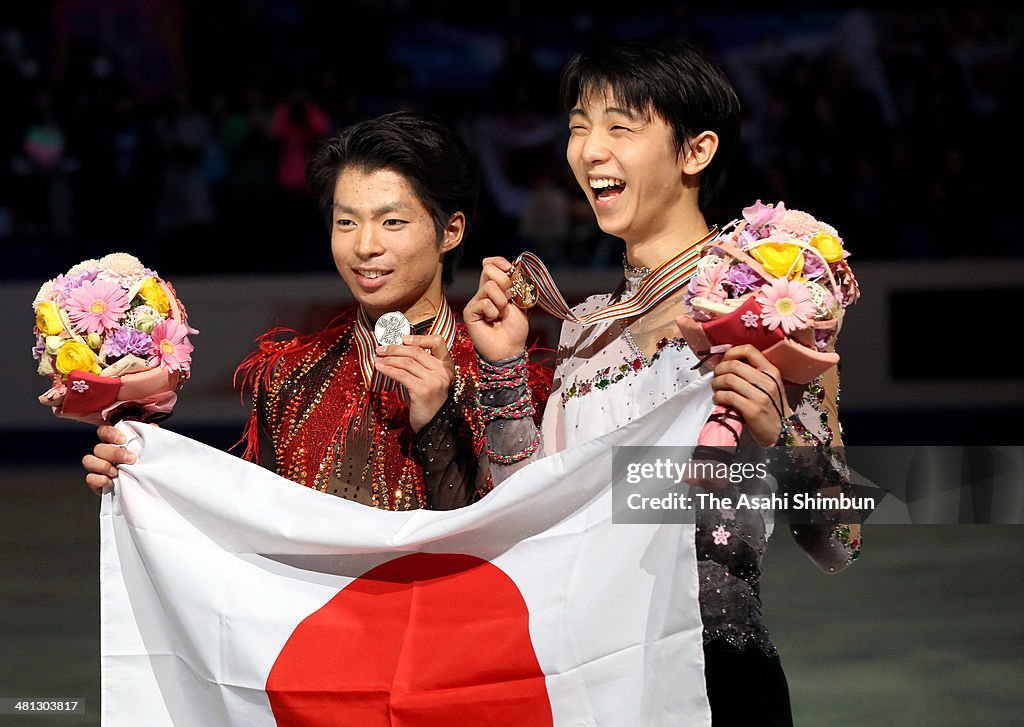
[{"x": 253, "y": 375}]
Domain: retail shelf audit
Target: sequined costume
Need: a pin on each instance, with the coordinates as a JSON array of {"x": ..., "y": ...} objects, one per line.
[
  {"x": 318, "y": 422},
  {"x": 607, "y": 362}
]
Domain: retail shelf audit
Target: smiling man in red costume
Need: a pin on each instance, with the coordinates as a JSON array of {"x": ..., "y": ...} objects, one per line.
[{"x": 393, "y": 426}]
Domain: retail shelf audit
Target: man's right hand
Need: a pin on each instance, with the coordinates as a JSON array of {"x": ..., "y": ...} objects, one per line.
[
  {"x": 101, "y": 465},
  {"x": 498, "y": 328}
]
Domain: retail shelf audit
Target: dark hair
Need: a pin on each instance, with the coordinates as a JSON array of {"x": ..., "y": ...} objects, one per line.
[
  {"x": 434, "y": 160},
  {"x": 671, "y": 79}
]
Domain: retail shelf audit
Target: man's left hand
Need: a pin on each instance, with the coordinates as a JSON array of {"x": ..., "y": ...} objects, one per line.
[{"x": 752, "y": 385}]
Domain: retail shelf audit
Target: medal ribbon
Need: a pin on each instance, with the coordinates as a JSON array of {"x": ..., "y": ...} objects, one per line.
[
  {"x": 443, "y": 325},
  {"x": 662, "y": 282}
]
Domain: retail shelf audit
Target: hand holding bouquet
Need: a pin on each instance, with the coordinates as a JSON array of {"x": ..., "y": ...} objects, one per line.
[
  {"x": 778, "y": 280},
  {"x": 113, "y": 338}
]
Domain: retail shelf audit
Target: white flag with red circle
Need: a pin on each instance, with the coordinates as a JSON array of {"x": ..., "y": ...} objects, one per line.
[{"x": 230, "y": 596}]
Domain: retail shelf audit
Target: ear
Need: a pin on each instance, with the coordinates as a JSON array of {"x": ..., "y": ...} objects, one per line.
[
  {"x": 453, "y": 232},
  {"x": 699, "y": 152}
]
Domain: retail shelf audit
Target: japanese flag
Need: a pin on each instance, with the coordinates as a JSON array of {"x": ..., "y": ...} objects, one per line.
[{"x": 231, "y": 596}]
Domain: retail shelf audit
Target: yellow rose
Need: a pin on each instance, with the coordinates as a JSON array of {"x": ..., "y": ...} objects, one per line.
[
  {"x": 780, "y": 259},
  {"x": 74, "y": 355},
  {"x": 48, "y": 319},
  {"x": 829, "y": 246},
  {"x": 155, "y": 296}
]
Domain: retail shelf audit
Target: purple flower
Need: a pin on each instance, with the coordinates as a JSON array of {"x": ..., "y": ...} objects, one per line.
[
  {"x": 127, "y": 340},
  {"x": 67, "y": 283},
  {"x": 39, "y": 348},
  {"x": 743, "y": 278},
  {"x": 813, "y": 266},
  {"x": 745, "y": 237}
]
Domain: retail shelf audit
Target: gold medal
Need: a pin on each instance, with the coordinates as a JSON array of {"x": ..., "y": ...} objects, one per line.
[{"x": 523, "y": 291}]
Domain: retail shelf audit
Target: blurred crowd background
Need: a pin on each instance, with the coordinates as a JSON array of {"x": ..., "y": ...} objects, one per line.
[{"x": 179, "y": 129}]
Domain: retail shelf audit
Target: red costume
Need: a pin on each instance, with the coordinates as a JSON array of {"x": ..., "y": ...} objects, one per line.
[{"x": 322, "y": 417}]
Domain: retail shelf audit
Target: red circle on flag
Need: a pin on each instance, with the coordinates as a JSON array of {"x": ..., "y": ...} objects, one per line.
[{"x": 431, "y": 640}]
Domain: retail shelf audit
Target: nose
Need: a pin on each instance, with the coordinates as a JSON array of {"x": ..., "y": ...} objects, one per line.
[
  {"x": 595, "y": 147},
  {"x": 368, "y": 243}
]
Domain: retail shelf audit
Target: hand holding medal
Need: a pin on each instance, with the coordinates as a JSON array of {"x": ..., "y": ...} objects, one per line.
[
  {"x": 418, "y": 367},
  {"x": 496, "y": 316}
]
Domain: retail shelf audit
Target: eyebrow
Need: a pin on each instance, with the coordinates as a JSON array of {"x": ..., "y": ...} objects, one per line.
[
  {"x": 382, "y": 210},
  {"x": 628, "y": 113}
]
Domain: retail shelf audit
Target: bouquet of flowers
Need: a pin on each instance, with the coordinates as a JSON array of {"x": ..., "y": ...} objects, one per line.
[
  {"x": 777, "y": 279},
  {"x": 112, "y": 337}
]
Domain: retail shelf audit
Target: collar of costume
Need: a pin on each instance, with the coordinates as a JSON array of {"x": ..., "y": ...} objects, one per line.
[
  {"x": 659, "y": 284},
  {"x": 443, "y": 325}
]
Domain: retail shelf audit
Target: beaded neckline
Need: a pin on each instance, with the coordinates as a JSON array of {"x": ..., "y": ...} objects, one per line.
[
  {"x": 632, "y": 272},
  {"x": 634, "y": 277}
]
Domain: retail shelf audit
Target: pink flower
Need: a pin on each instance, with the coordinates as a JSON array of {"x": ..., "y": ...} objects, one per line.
[
  {"x": 709, "y": 282},
  {"x": 96, "y": 306},
  {"x": 171, "y": 348},
  {"x": 721, "y": 535},
  {"x": 787, "y": 303},
  {"x": 799, "y": 224},
  {"x": 759, "y": 214},
  {"x": 750, "y": 319}
]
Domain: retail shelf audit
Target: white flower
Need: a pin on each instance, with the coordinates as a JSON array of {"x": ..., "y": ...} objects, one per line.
[
  {"x": 707, "y": 262},
  {"x": 802, "y": 226},
  {"x": 825, "y": 307},
  {"x": 121, "y": 268},
  {"x": 47, "y": 292},
  {"x": 83, "y": 267},
  {"x": 53, "y": 344},
  {"x": 143, "y": 318}
]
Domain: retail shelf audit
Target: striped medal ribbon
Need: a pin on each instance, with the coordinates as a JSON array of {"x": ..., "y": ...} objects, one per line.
[
  {"x": 532, "y": 285},
  {"x": 443, "y": 325}
]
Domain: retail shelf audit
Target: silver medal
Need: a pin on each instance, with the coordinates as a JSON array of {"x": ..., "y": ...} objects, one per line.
[{"x": 391, "y": 328}]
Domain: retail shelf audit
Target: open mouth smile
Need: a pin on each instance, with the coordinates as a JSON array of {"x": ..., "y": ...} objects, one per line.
[{"x": 606, "y": 188}]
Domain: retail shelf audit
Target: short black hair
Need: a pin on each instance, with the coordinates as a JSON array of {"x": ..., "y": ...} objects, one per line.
[
  {"x": 672, "y": 79},
  {"x": 428, "y": 153}
]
